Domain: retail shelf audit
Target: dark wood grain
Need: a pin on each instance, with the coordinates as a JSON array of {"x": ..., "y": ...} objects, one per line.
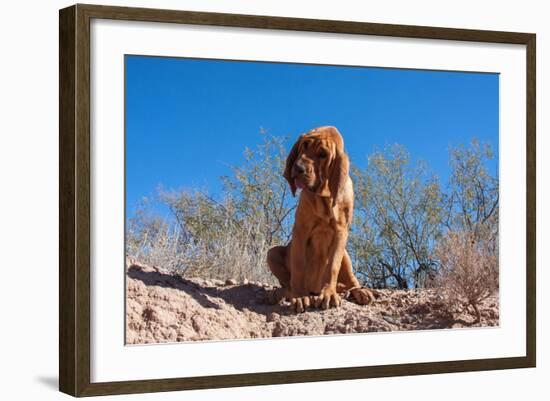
[
  {"x": 82, "y": 200},
  {"x": 301, "y": 24},
  {"x": 531, "y": 202},
  {"x": 74, "y": 205},
  {"x": 74, "y": 199},
  {"x": 67, "y": 131},
  {"x": 302, "y": 376}
]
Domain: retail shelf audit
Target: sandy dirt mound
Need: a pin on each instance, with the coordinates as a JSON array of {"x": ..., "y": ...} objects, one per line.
[{"x": 163, "y": 307}]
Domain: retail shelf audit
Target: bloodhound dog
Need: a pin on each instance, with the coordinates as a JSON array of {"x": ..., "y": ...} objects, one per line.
[{"x": 314, "y": 267}]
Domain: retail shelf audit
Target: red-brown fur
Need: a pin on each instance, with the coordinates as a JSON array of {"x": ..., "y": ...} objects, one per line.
[{"x": 315, "y": 266}]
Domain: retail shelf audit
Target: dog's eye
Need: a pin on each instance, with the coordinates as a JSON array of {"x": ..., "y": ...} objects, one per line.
[{"x": 323, "y": 154}]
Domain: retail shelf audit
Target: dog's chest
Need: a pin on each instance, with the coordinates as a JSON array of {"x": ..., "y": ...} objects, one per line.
[{"x": 319, "y": 241}]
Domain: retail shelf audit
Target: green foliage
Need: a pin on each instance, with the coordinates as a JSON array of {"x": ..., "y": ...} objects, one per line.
[
  {"x": 473, "y": 195},
  {"x": 260, "y": 193}
]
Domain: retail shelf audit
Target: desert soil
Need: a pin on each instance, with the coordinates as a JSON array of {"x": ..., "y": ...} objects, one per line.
[{"x": 163, "y": 307}]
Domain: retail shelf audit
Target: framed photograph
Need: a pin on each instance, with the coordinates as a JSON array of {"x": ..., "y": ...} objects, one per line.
[{"x": 250, "y": 200}]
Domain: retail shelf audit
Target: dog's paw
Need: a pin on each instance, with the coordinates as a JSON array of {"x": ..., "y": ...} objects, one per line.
[
  {"x": 300, "y": 304},
  {"x": 363, "y": 296},
  {"x": 328, "y": 298}
]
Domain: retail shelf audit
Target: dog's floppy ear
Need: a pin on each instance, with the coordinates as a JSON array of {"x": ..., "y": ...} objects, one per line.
[
  {"x": 292, "y": 156},
  {"x": 336, "y": 170},
  {"x": 338, "y": 175},
  {"x": 325, "y": 176}
]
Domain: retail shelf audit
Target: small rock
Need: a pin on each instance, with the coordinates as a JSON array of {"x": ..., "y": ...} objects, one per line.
[
  {"x": 390, "y": 320},
  {"x": 245, "y": 281},
  {"x": 218, "y": 283},
  {"x": 349, "y": 321},
  {"x": 279, "y": 330},
  {"x": 273, "y": 317},
  {"x": 408, "y": 319},
  {"x": 230, "y": 281}
]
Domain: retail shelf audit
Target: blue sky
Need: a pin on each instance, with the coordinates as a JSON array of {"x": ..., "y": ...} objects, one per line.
[{"x": 188, "y": 120}]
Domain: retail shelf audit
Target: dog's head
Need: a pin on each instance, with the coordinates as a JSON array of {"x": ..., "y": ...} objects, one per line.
[{"x": 317, "y": 163}]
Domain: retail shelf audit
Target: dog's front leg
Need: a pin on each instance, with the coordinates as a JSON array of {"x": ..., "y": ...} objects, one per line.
[
  {"x": 299, "y": 297},
  {"x": 329, "y": 296}
]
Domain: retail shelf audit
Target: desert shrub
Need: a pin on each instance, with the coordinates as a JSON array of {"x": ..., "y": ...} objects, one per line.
[
  {"x": 201, "y": 238},
  {"x": 469, "y": 269},
  {"x": 398, "y": 216},
  {"x": 216, "y": 241},
  {"x": 472, "y": 198},
  {"x": 154, "y": 241}
]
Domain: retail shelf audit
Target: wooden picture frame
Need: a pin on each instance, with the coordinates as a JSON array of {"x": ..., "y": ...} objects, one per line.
[{"x": 74, "y": 200}]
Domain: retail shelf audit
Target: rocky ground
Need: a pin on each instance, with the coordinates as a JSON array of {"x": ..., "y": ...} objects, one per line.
[{"x": 163, "y": 307}]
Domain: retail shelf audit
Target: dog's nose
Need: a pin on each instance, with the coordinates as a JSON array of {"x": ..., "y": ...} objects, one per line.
[{"x": 299, "y": 168}]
